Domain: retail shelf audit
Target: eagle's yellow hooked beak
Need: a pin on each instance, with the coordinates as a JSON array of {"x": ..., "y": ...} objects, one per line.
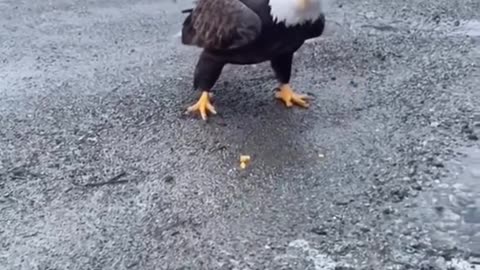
[{"x": 303, "y": 4}]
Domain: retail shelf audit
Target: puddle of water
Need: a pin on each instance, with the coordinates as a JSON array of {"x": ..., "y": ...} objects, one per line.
[
  {"x": 453, "y": 206},
  {"x": 468, "y": 28},
  {"x": 469, "y": 183}
]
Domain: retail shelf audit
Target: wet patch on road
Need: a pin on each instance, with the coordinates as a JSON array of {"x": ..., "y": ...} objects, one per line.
[{"x": 452, "y": 208}]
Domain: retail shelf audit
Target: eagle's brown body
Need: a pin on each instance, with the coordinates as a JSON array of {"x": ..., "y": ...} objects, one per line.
[{"x": 244, "y": 32}]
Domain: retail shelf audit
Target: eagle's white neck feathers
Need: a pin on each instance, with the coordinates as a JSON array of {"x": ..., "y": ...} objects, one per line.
[{"x": 290, "y": 12}]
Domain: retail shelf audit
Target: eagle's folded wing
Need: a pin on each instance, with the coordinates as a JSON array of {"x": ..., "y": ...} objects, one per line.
[{"x": 221, "y": 25}]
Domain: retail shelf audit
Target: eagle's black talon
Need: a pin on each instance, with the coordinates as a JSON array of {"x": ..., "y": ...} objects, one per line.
[{"x": 189, "y": 10}]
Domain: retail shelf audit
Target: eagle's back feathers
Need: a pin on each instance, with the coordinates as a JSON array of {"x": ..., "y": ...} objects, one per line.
[{"x": 220, "y": 25}]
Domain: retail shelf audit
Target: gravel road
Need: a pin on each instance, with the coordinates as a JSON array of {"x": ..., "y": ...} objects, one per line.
[{"x": 101, "y": 169}]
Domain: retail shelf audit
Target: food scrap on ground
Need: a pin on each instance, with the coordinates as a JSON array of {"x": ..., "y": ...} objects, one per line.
[{"x": 244, "y": 161}]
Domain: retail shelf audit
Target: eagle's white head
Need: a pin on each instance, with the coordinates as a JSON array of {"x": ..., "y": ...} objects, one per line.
[{"x": 293, "y": 12}]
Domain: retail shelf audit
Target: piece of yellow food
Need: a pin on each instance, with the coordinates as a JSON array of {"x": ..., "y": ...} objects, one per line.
[{"x": 244, "y": 160}]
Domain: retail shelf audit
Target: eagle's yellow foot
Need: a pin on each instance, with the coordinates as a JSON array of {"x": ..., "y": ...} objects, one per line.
[
  {"x": 290, "y": 97},
  {"x": 203, "y": 105}
]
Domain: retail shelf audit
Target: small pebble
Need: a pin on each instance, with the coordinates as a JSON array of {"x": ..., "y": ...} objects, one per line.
[
  {"x": 473, "y": 137},
  {"x": 388, "y": 210},
  {"x": 319, "y": 231},
  {"x": 168, "y": 179}
]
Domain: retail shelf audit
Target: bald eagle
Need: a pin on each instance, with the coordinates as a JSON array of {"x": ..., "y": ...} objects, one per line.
[{"x": 244, "y": 32}]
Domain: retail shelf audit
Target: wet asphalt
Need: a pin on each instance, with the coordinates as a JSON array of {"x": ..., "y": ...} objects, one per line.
[{"x": 101, "y": 169}]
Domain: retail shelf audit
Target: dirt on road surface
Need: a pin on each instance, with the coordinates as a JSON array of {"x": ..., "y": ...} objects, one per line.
[{"x": 101, "y": 169}]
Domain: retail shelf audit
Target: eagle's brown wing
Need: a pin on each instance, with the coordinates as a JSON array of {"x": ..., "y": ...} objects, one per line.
[{"x": 221, "y": 25}]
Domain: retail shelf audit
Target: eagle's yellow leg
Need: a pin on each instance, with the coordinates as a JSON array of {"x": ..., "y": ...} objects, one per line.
[
  {"x": 203, "y": 105},
  {"x": 289, "y": 97}
]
